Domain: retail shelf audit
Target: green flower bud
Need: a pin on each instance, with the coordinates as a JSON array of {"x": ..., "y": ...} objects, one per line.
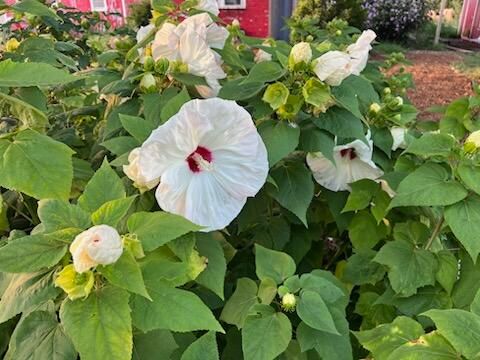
[
  {"x": 161, "y": 66},
  {"x": 276, "y": 95},
  {"x": 309, "y": 38},
  {"x": 338, "y": 32},
  {"x": 317, "y": 94},
  {"x": 289, "y": 302},
  {"x": 387, "y": 91},
  {"x": 399, "y": 100},
  {"x": 148, "y": 84},
  {"x": 76, "y": 285},
  {"x": 148, "y": 63}
]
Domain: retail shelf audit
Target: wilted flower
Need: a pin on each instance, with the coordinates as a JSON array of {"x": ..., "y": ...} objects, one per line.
[
  {"x": 353, "y": 162},
  {"x": 333, "y": 67},
  {"x": 301, "y": 52},
  {"x": 76, "y": 285},
  {"x": 359, "y": 51},
  {"x": 133, "y": 173},
  {"x": 261, "y": 55},
  {"x": 209, "y": 158},
  {"x": 99, "y": 245}
]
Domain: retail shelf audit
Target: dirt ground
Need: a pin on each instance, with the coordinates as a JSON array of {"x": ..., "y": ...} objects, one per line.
[{"x": 437, "y": 82}]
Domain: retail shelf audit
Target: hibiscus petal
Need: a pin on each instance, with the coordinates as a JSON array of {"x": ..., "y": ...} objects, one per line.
[{"x": 165, "y": 44}]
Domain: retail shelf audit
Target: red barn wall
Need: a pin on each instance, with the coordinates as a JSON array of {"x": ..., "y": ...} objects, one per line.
[{"x": 254, "y": 20}]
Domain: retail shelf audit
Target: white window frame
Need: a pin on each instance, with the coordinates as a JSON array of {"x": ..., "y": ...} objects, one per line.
[
  {"x": 222, "y": 5},
  {"x": 103, "y": 8}
]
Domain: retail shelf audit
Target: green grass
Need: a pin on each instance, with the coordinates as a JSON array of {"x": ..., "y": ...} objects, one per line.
[{"x": 470, "y": 65}]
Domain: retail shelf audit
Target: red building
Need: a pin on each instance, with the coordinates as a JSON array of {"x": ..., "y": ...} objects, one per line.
[
  {"x": 469, "y": 24},
  {"x": 261, "y": 18}
]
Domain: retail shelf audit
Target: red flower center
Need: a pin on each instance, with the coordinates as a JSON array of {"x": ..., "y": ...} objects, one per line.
[
  {"x": 199, "y": 159},
  {"x": 350, "y": 153}
]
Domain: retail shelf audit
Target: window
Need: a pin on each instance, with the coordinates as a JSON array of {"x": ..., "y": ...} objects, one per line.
[
  {"x": 232, "y": 4},
  {"x": 98, "y": 5}
]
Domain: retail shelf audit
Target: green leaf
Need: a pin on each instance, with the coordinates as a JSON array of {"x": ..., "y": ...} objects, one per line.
[
  {"x": 25, "y": 292},
  {"x": 104, "y": 186},
  {"x": 40, "y": 336},
  {"x": 464, "y": 221},
  {"x": 273, "y": 264},
  {"x": 126, "y": 274},
  {"x": 384, "y": 339},
  {"x": 237, "y": 307},
  {"x": 36, "y": 165},
  {"x": 174, "y": 104},
  {"x": 32, "y": 74},
  {"x": 158, "y": 228},
  {"x": 35, "y": 252},
  {"x": 447, "y": 270},
  {"x": 432, "y": 144},
  {"x": 35, "y": 8},
  {"x": 213, "y": 276},
  {"x": 204, "y": 348},
  {"x": 154, "y": 345},
  {"x": 361, "y": 269},
  {"x": 361, "y": 194},
  {"x": 341, "y": 123},
  {"x": 57, "y": 215},
  {"x": 328, "y": 346},
  {"x": 312, "y": 139},
  {"x": 280, "y": 139},
  {"x": 120, "y": 144},
  {"x": 295, "y": 188},
  {"x": 189, "y": 79},
  {"x": 172, "y": 309},
  {"x": 364, "y": 232},
  {"x": 29, "y": 116},
  {"x": 139, "y": 128},
  {"x": 461, "y": 328},
  {"x": 408, "y": 267},
  {"x": 112, "y": 212},
  {"x": 431, "y": 346},
  {"x": 429, "y": 185},
  {"x": 100, "y": 326},
  {"x": 314, "y": 312},
  {"x": 265, "y": 71},
  {"x": 266, "y": 334},
  {"x": 470, "y": 175},
  {"x": 239, "y": 89}
]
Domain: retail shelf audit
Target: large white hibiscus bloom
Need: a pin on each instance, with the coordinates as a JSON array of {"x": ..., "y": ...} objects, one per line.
[
  {"x": 209, "y": 158},
  {"x": 359, "y": 51},
  {"x": 333, "y": 67},
  {"x": 191, "y": 43},
  {"x": 353, "y": 162},
  {"x": 208, "y": 5}
]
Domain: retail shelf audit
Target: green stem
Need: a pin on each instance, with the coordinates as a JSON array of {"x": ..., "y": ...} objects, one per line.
[{"x": 435, "y": 232}]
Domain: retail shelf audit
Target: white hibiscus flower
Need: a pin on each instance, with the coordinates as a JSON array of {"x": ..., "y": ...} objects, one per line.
[
  {"x": 208, "y": 5},
  {"x": 359, "y": 51},
  {"x": 142, "y": 33},
  {"x": 209, "y": 158},
  {"x": 133, "y": 173},
  {"x": 301, "y": 52},
  {"x": 333, "y": 67},
  {"x": 100, "y": 244},
  {"x": 353, "y": 162},
  {"x": 398, "y": 135},
  {"x": 191, "y": 43}
]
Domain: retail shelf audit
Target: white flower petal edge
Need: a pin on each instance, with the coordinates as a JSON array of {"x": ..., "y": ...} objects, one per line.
[
  {"x": 333, "y": 67},
  {"x": 398, "y": 135},
  {"x": 353, "y": 162},
  {"x": 210, "y": 159},
  {"x": 208, "y": 5},
  {"x": 359, "y": 51},
  {"x": 99, "y": 245},
  {"x": 131, "y": 170}
]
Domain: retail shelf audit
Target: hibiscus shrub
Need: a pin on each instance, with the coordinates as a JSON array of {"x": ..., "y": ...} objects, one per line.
[{"x": 200, "y": 194}]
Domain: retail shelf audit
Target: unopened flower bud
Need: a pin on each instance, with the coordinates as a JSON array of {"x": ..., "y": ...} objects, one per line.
[
  {"x": 301, "y": 52},
  {"x": 472, "y": 143},
  {"x": 289, "y": 302},
  {"x": 338, "y": 32},
  {"x": 148, "y": 63},
  {"x": 309, "y": 38},
  {"x": 161, "y": 66},
  {"x": 387, "y": 91},
  {"x": 399, "y": 100},
  {"x": 148, "y": 84},
  {"x": 12, "y": 45},
  {"x": 375, "y": 107}
]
